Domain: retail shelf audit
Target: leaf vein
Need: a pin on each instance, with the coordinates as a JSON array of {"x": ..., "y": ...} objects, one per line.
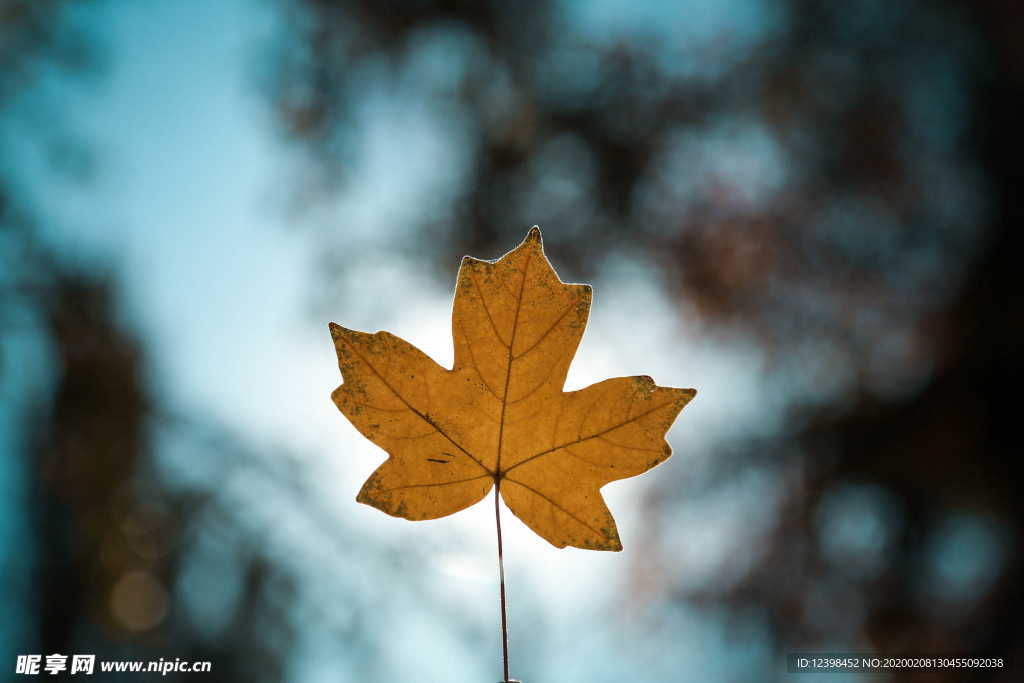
[
  {"x": 508, "y": 364},
  {"x": 414, "y": 411},
  {"x": 547, "y": 331},
  {"x": 483, "y": 302},
  {"x": 472, "y": 357},
  {"x": 531, "y": 392},
  {"x": 442, "y": 483},
  {"x": 591, "y": 436},
  {"x": 628, "y": 448},
  {"x": 554, "y": 505}
]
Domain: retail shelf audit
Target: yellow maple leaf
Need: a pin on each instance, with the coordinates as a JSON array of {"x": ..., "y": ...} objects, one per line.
[{"x": 499, "y": 417}]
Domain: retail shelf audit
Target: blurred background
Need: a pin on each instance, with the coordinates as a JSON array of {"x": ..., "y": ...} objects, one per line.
[{"x": 802, "y": 209}]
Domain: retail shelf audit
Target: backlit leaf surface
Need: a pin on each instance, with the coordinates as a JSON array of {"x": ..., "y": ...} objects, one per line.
[{"x": 499, "y": 416}]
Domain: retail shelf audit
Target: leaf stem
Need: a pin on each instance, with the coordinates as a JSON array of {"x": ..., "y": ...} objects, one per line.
[{"x": 501, "y": 577}]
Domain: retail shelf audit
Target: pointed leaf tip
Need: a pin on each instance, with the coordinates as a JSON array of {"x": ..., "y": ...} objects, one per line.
[{"x": 534, "y": 235}]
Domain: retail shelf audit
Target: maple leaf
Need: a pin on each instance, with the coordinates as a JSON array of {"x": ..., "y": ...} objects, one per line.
[{"x": 499, "y": 417}]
